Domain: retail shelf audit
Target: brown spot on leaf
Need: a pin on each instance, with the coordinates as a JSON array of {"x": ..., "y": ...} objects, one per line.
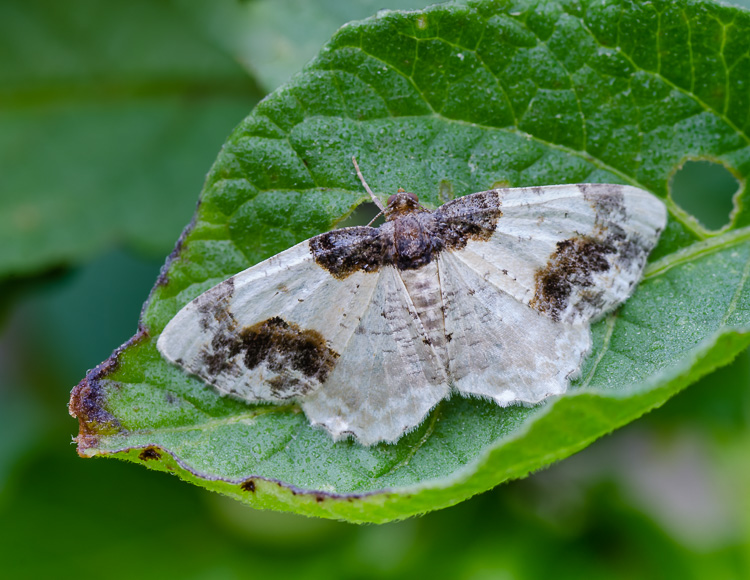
[
  {"x": 248, "y": 485},
  {"x": 87, "y": 404},
  {"x": 149, "y": 453}
]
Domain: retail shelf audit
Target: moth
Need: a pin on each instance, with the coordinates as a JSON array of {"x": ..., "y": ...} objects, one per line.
[{"x": 491, "y": 295}]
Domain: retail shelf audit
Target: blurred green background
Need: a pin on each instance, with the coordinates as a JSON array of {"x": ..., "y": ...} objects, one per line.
[{"x": 111, "y": 113}]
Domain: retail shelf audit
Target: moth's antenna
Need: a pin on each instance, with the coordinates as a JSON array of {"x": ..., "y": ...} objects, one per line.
[
  {"x": 367, "y": 187},
  {"x": 373, "y": 219}
]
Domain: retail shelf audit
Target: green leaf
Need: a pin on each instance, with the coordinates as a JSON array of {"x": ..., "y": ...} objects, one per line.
[
  {"x": 444, "y": 102},
  {"x": 109, "y": 115}
]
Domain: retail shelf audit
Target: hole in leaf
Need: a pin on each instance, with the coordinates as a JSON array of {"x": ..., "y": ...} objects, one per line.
[
  {"x": 705, "y": 189},
  {"x": 361, "y": 216}
]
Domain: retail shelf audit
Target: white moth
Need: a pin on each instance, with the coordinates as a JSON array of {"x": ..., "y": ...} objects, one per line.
[{"x": 490, "y": 295}]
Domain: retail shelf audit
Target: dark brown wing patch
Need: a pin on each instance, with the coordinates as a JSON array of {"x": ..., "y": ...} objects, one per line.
[
  {"x": 569, "y": 274},
  {"x": 571, "y": 266},
  {"x": 348, "y": 250},
  {"x": 473, "y": 217},
  {"x": 213, "y": 304},
  {"x": 282, "y": 346}
]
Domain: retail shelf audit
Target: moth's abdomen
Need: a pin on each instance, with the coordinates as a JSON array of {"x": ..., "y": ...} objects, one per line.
[
  {"x": 423, "y": 287},
  {"x": 412, "y": 242}
]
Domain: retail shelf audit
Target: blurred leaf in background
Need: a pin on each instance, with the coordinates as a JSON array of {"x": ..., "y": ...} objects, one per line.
[
  {"x": 110, "y": 115},
  {"x": 634, "y": 505},
  {"x": 273, "y": 39}
]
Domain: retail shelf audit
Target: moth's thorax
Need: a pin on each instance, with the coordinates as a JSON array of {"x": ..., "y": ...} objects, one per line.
[
  {"x": 411, "y": 236},
  {"x": 401, "y": 204},
  {"x": 414, "y": 240}
]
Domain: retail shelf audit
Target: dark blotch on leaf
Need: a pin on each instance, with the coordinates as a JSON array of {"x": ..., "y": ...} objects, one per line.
[
  {"x": 149, "y": 453},
  {"x": 248, "y": 485},
  {"x": 88, "y": 399}
]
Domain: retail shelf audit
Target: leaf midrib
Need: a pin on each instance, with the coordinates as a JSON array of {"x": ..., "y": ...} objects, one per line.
[{"x": 697, "y": 250}]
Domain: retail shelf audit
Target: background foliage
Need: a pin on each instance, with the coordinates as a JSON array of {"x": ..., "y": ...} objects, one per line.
[{"x": 665, "y": 497}]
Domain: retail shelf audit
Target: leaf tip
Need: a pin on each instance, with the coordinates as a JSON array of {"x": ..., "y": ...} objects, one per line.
[{"x": 88, "y": 400}]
